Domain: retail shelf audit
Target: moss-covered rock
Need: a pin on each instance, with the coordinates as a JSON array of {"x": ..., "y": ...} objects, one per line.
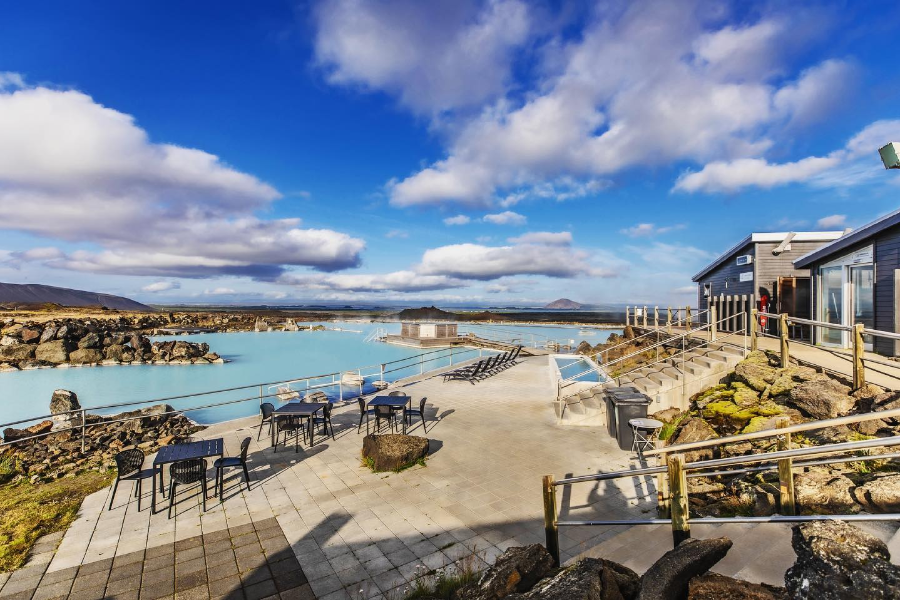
[
  {"x": 755, "y": 371},
  {"x": 744, "y": 395}
]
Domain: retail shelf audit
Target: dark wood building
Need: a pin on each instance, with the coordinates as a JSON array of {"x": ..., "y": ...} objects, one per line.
[
  {"x": 856, "y": 279},
  {"x": 760, "y": 268}
]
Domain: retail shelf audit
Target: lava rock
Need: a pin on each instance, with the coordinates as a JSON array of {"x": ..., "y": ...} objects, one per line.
[
  {"x": 392, "y": 452},
  {"x": 85, "y": 356},
  {"x": 696, "y": 430},
  {"x": 11, "y": 434},
  {"x": 588, "y": 579},
  {"x": 836, "y": 561},
  {"x": 713, "y": 586},
  {"x": 17, "y": 352},
  {"x": 516, "y": 570},
  {"x": 881, "y": 495},
  {"x": 669, "y": 577},
  {"x": 823, "y": 399},
  {"x": 55, "y": 352},
  {"x": 91, "y": 340},
  {"x": 755, "y": 371},
  {"x": 823, "y": 492}
]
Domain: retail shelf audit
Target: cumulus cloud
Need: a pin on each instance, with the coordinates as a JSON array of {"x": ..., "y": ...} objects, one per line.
[
  {"x": 397, "y": 233},
  {"x": 549, "y": 238},
  {"x": 855, "y": 163},
  {"x": 74, "y": 170},
  {"x": 621, "y": 97},
  {"x": 506, "y": 217},
  {"x": 398, "y": 281},
  {"x": 832, "y": 222},
  {"x": 474, "y": 261},
  {"x": 435, "y": 56},
  {"x": 649, "y": 230},
  {"x": 8, "y": 79},
  {"x": 562, "y": 189},
  {"x": 161, "y": 286},
  {"x": 219, "y": 291},
  {"x": 457, "y": 220}
]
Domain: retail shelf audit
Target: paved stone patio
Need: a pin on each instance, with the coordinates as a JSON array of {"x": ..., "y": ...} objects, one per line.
[{"x": 355, "y": 534}]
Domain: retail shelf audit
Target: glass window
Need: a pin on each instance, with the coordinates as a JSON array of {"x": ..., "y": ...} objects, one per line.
[{"x": 831, "y": 305}]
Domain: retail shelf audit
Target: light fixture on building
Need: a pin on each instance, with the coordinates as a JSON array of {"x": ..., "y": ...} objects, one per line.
[{"x": 889, "y": 155}]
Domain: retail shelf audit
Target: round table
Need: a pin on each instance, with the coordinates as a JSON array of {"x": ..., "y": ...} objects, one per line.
[{"x": 646, "y": 432}]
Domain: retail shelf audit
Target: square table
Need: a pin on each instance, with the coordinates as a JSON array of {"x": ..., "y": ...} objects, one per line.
[
  {"x": 298, "y": 409},
  {"x": 395, "y": 402},
  {"x": 177, "y": 452}
]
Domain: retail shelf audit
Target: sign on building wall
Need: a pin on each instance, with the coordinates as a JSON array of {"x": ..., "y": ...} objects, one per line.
[{"x": 747, "y": 276}]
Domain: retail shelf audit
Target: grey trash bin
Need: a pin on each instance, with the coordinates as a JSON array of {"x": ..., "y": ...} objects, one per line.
[
  {"x": 625, "y": 410},
  {"x": 610, "y": 393}
]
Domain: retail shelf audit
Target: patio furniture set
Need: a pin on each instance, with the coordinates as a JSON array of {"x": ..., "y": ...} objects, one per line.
[{"x": 485, "y": 367}]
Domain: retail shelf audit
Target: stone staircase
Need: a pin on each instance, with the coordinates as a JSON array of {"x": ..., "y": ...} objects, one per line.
[
  {"x": 586, "y": 408},
  {"x": 673, "y": 381}
]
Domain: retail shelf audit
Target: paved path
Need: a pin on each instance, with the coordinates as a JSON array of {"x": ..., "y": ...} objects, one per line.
[{"x": 360, "y": 535}]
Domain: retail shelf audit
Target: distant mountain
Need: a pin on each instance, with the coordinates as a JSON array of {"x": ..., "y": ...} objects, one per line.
[
  {"x": 426, "y": 313},
  {"x": 42, "y": 294},
  {"x": 563, "y": 304}
]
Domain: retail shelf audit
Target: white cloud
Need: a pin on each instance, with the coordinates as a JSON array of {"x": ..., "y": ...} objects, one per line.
[
  {"x": 507, "y": 217},
  {"x": 563, "y": 188},
  {"x": 219, "y": 291},
  {"x": 435, "y": 56},
  {"x": 857, "y": 162},
  {"x": 397, "y": 234},
  {"x": 161, "y": 286},
  {"x": 8, "y": 79},
  {"x": 649, "y": 230},
  {"x": 474, "y": 261},
  {"x": 832, "y": 222},
  {"x": 74, "y": 170},
  {"x": 549, "y": 238},
  {"x": 457, "y": 220},
  {"x": 671, "y": 255},
  {"x": 644, "y": 85},
  {"x": 398, "y": 281}
]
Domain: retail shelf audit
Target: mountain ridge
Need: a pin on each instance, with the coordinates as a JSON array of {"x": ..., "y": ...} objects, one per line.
[{"x": 36, "y": 293}]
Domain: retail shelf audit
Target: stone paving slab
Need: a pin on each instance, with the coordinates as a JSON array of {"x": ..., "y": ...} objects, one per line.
[{"x": 364, "y": 535}]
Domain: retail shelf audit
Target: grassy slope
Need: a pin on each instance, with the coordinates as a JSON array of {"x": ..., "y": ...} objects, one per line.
[{"x": 28, "y": 511}]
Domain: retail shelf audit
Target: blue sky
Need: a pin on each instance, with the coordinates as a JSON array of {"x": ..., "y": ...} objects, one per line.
[{"x": 497, "y": 152}]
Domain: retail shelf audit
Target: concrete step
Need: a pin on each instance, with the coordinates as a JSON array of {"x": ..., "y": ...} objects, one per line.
[
  {"x": 725, "y": 357},
  {"x": 646, "y": 386},
  {"x": 737, "y": 352},
  {"x": 708, "y": 361},
  {"x": 662, "y": 379},
  {"x": 673, "y": 372}
]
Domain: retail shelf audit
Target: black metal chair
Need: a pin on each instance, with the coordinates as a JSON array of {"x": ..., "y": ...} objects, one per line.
[
  {"x": 324, "y": 420},
  {"x": 399, "y": 409},
  {"x": 363, "y": 413},
  {"x": 129, "y": 465},
  {"x": 411, "y": 412},
  {"x": 287, "y": 424},
  {"x": 232, "y": 462},
  {"x": 265, "y": 410},
  {"x": 186, "y": 472},
  {"x": 384, "y": 412}
]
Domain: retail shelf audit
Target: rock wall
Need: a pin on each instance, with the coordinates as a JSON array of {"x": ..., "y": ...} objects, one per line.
[{"x": 34, "y": 345}]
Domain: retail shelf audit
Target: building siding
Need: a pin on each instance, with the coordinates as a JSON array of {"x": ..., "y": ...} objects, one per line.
[{"x": 728, "y": 271}]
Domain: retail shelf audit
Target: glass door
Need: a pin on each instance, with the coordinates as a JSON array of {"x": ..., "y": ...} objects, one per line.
[
  {"x": 831, "y": 307},
  {"x": 862, "y": 289}
]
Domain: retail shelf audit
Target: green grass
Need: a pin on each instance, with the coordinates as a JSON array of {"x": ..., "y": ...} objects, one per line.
[
  {"x": 28, "y": 511},
  {"x": 669, "y": 429},
  {"x": 443, "y": 583}
]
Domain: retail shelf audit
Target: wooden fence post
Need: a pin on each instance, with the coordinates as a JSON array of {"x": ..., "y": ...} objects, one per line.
[
  {"x": 551, "y": 531},
  {"x": 662, "y": 484},
  {"x": 859, "y": 370},
  {"x": 712, "y": 323},
  {"x": 681, "y": 526},
  {"x": 645, "y": 317},
  {"x": 669, "y": 319},
  {"x": 687, "y": 317},
  {"x": 754, "y": 323},
  {"x": 785, "y": 469},
  {"x": 627, "y": 316},
  {"x": 656, "y": 317},
  {"x": 783, "y": 332}
]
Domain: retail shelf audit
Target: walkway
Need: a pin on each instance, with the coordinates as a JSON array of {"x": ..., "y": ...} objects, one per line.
[{"x": 318, "y": 524}]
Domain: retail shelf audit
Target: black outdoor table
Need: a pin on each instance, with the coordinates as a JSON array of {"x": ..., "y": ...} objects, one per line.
[
  {"x": 395, "y": 402},
  {"x": 177, "y": 452},
  {"x": 298, "y": 409}
]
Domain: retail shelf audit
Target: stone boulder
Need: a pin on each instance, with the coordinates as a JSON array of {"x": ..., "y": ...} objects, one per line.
[
  {"x": 85, "y": 356},
  {"x": 755, "y": 371},
  {"x": 115, "y": 352},
  {"x": 516, "y": 570},
  {"x": 696, "y": 430},
  {"x": 91, "y": 340},
  {"x": 820, "y": 491},
  {"x": 49, "y": 334},
  {"x": 713, "y": 586},
  {"x": 11, "y": 434},
  {"x": 881, "y": 495},
  {"x": 393, "y": 452},
  {"x": 822, "y": 399},
  {"x": 836, "y": 560},
  {"x": 669, "y": 577},
  {"x": 17, "y": 352},
  {"x": 63, "y": 401},
  {"x": 56, "y": 352},
  {"x": 588, "y": 579},
  {"x": 666, "y": 416},
  {"x": 30, "y": 334},
  {"x": 584, "y": 348}
]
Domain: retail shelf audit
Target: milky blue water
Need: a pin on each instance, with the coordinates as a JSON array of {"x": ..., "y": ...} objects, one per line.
[
  {"x": 577, "y": 368},
  {"x": 255, "y": 358}
]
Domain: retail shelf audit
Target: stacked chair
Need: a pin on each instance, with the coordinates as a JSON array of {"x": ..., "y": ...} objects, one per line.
[{"x": 485, "y": 367}]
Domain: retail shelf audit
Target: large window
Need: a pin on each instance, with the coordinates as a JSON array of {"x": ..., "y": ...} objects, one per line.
[{"x": 831, "y": 307}]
